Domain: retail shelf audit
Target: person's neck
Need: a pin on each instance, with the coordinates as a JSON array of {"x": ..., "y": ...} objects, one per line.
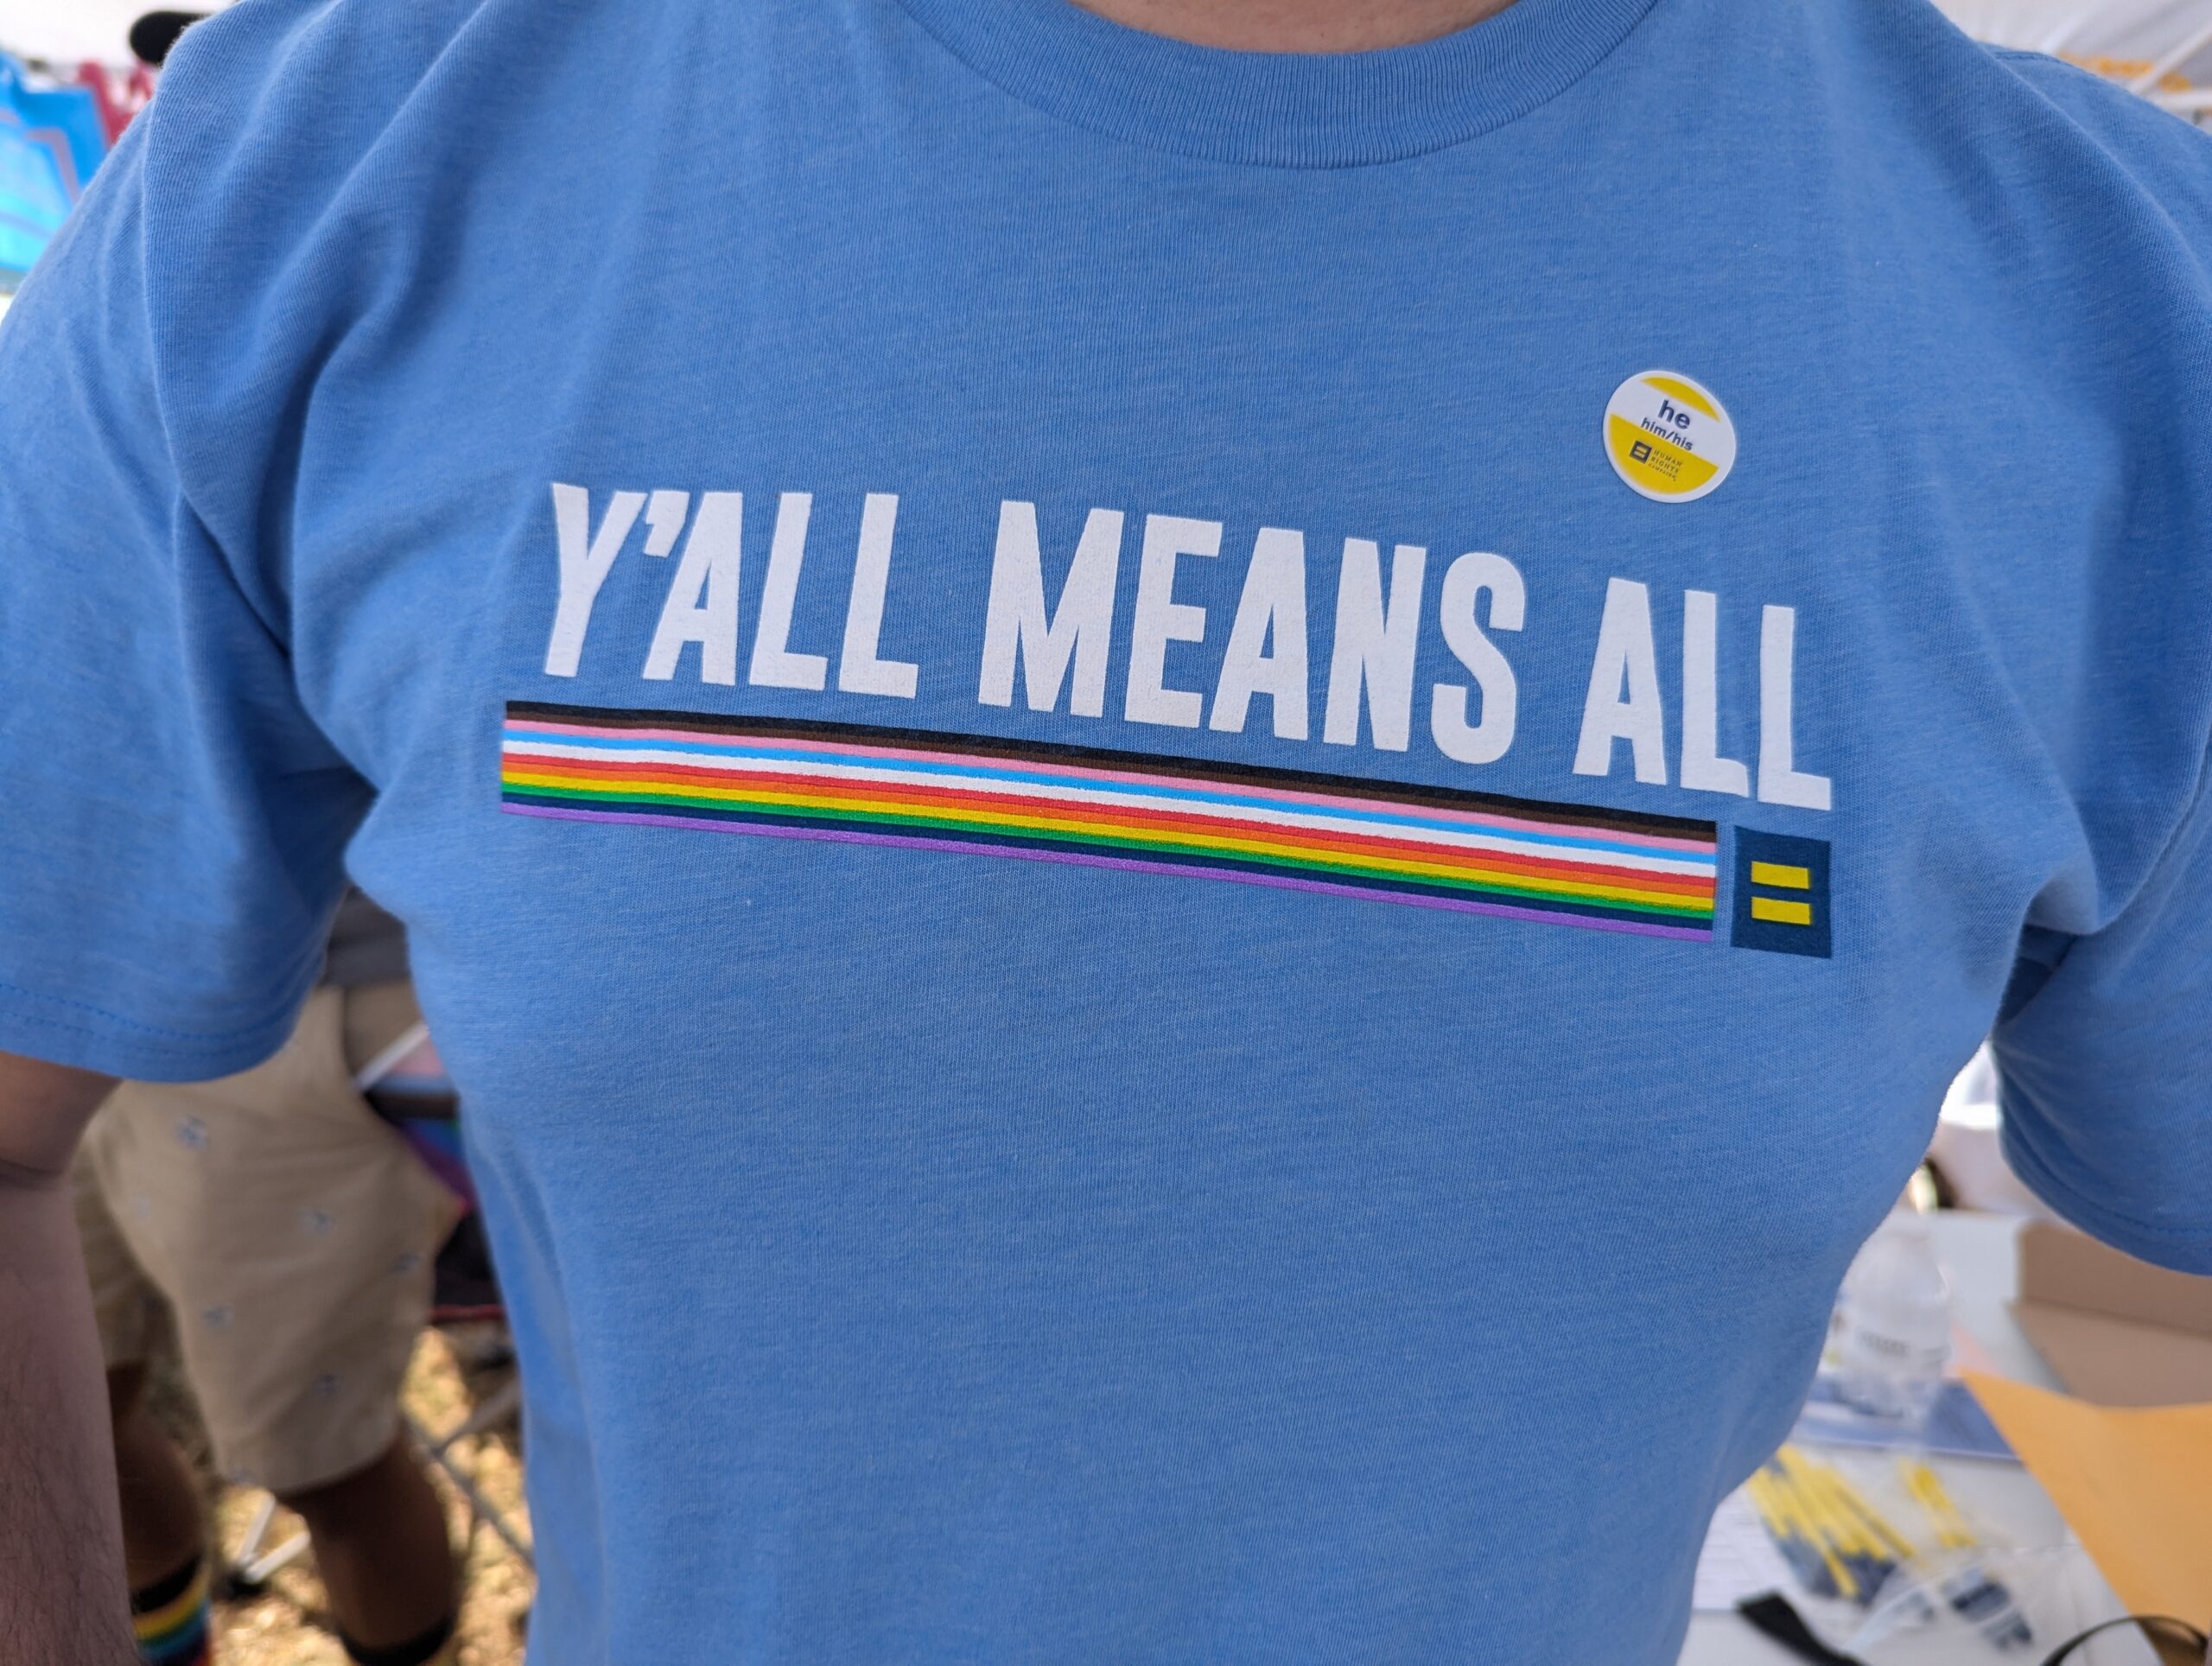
[{"x": 1297, "y": 25}]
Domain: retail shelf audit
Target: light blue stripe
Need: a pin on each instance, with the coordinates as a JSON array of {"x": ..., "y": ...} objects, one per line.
[{"x": 715, "y": 749}]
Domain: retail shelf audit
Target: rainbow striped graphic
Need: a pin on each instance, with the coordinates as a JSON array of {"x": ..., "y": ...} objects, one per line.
[{"x": 1432, "y": 846}]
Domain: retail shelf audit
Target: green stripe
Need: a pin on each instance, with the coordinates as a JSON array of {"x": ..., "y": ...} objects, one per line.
[{"x": 1136, "y": 847}]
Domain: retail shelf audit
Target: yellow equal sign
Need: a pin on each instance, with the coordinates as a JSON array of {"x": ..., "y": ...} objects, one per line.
[
  {"x": 1781, "y": 895},
  {"x": 1781, "y": 876}
]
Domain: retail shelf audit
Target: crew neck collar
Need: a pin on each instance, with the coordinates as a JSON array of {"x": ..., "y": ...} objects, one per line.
[{"x": 1279, "y": 109}]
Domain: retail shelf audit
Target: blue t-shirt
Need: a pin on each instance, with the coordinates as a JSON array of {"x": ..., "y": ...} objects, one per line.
[{"x": 1197, "y": 831}]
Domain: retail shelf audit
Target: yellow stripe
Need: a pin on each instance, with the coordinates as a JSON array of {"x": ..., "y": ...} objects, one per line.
[
  {"x": 633, "y": 787},
  {"x": 1782, "y": 878},
  {"x": 148, "y": 1627},
  {"x": 1781, "y": 912},
  {"x": 1693, "y": 471},
  {"x": 1682, "y": 391}
]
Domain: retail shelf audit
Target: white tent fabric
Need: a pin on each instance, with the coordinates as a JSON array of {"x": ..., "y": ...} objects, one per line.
[
  {"x": 2127, "y": 37},
  {"x": 67, "y": 30},
  {"x": 2161, "y": 48}
]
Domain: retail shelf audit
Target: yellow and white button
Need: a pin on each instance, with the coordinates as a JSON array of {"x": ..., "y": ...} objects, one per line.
[{"x": 1668, "y": 437}]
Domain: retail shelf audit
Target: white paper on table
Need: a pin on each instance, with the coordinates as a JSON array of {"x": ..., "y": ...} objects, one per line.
[{"x": 1739, "y": 1560}]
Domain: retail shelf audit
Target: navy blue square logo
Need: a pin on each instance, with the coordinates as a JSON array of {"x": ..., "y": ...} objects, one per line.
[{"x": 1781, "y": 895}]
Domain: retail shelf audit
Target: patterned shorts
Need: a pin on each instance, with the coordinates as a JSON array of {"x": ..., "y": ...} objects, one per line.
[{"x": 278, "y": 1236}]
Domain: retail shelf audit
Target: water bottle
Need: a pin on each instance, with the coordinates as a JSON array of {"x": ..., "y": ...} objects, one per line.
[{"x": 1893, "y": 1324}]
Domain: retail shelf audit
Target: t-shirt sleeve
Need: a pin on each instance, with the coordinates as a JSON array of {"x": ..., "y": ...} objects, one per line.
[
  {"x": 2105, "y": 1054},
  {"x": 172, "y": 823},
  {"x": 2104, "y": 1040}
]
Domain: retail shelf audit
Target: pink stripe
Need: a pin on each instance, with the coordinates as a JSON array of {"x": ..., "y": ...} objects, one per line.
[
  {"x": 1487, "y": 820},
  {"x": 1282, "y": 882}
]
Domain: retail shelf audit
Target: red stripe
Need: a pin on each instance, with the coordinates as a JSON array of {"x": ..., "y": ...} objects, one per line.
[{"x": 1691, "y": 887}]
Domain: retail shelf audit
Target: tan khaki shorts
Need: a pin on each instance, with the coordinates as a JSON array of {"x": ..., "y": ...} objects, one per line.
[{"x": 279, "y": 1236}]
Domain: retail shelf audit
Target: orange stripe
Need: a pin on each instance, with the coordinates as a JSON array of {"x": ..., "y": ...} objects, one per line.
[
  {"x": 1162, "y": 842},
  {"x": 1682, "y": 886}
]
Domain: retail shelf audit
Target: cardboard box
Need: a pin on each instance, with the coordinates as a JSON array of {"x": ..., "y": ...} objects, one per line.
[{"x": 2115, "y": 1331}]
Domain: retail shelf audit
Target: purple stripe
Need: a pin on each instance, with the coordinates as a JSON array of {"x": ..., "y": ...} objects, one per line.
[{"x": 1282, "y": 882}]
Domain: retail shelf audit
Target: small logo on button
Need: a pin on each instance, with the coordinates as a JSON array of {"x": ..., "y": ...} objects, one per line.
[{"x": 1668, "y": 437}]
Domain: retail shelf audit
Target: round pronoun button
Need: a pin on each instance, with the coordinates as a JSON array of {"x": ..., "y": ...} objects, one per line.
[{"x": 1668, "y": 437}]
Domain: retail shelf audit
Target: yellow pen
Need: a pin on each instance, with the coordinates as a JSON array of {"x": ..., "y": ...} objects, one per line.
[
  {"x": 1817, "y": 1510},
  {"x": 1922, "y": 1482},
  {"x": 1869, "y": 1566},
  {"x": 1805, "y": 1483},
  {"x": 1839, "y": 1571},
  {"x": 1972, "y": 1591},
  {"x": 1853, "y": 1502},
  {"x": 1803, "y": 1559},
  {"x": 1868, "y": 1544}
]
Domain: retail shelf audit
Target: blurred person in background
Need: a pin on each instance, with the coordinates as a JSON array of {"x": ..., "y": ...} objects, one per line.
[
  {"x": 1201, "y": 795},
  {"x": 272, "y": 1230}
]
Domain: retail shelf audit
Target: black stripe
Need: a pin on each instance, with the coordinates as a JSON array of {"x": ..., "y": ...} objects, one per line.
[
  {"x": 414, "y": 1653},
  {"x": 163, "y": 1592},
  {"x": 599, "y": 804},
  {"x": 1431, "y": 797}
]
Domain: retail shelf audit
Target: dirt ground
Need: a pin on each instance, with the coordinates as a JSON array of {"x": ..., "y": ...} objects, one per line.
[{"x": 285, "y": 1625}]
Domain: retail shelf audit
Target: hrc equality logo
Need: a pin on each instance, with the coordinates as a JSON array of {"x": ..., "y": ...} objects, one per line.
[{"x": 1781, "y": 895}]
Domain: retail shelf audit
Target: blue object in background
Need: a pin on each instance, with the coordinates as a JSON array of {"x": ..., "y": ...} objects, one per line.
[{"x": 51, "y": 141}]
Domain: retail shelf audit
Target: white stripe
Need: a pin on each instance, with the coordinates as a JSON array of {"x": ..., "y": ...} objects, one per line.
[
  {"x": 1445, "y": 835},
  {"x": 384, "y": 1064}
]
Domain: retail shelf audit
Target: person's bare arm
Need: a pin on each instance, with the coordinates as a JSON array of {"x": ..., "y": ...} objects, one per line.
[{"x": 61, "y": 1587}]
